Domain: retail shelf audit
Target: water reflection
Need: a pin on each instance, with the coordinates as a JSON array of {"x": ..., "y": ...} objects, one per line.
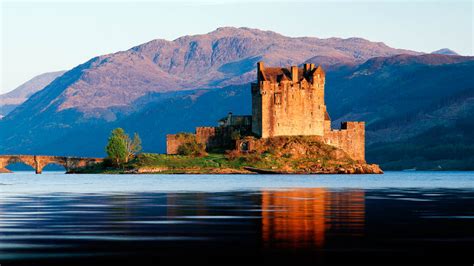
[
  {"x": 312, "y": 223},
  {"x": 302, "y": 218}
]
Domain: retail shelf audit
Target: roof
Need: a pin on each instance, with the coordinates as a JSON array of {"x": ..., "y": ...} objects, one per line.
[{"x": 277, "y": 74}]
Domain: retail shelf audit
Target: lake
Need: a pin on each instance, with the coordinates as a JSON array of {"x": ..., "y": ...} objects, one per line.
[{"x": 398, "y": 217}]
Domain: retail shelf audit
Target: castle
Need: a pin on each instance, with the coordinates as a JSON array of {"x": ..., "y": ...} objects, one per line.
[{"x": 285, "y": 102}]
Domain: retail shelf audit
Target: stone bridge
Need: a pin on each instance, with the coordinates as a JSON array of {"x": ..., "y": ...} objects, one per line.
[{"x": 38, "y": 162}]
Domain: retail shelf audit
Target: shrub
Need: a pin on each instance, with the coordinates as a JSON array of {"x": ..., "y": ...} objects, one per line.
[
  {"x": 232, "y": 154},
  {"x": 192, "y": 148}
]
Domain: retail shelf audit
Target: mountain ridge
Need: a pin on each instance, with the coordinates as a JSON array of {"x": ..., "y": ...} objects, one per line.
[
  {"x": 220, "y": 58},
  {"x": 12, "y": 99}
]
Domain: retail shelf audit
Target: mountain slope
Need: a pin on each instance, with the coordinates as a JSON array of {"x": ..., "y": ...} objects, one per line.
[
  {"x": 12, "y": 99},
  {"x": 226, "y": 56},
  {"x": 416, "y": 109},
  {"x": 396, "y": 95},
  {"x": 168, "y": 113},
  {"x": 447, "y": 146}
]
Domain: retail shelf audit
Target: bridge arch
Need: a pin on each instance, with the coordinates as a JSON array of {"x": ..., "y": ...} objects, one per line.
[
  {"x": 43, "y": 161},
  {"x": 19, "y": 166},
  {"x": 55, "y": 167},
  {"x": 13, "y": 159}
]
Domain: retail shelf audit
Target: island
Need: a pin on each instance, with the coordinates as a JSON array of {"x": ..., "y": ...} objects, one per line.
[{"x": 288, "y": 132}]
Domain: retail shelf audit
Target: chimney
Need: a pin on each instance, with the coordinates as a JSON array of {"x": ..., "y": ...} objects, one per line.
[
  {"x": 307, "y": 68},
  {"x": 294, "y": 74},
  {"x": 311, "y": 67}
]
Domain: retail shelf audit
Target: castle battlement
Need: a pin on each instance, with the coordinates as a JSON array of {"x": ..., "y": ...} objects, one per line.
[{"x": 274, "y": 78}]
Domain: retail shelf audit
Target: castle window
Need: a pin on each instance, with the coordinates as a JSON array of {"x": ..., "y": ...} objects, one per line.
[{"x": 277, "y": 98}]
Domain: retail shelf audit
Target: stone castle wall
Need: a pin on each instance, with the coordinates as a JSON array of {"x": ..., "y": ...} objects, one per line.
[
  {"x": 213, "y": 137},
  {"x": 222, "y": 137},
  {"x": 173, "y": 141},
  {"x": 350, "y": 138},
  {"x": 206, "y": 135},
  {"x": 289, "y": 107}
]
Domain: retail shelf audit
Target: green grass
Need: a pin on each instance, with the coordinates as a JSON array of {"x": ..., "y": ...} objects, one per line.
[
  {"x": 176, "y": 161},
  {"x": 212, "y": 160}
]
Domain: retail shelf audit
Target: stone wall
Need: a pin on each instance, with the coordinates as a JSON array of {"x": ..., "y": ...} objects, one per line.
[
  {"x": 173, "y": 141},
  {"x": 289, "y": 107},
  {"x": 207, "y": 136},
  {"x": 256, "y": 109},
  {"x": 222, "y": 138},
  {"x": 350, "y": 138}
]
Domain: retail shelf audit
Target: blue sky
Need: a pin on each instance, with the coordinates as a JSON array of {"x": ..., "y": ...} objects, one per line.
[{"x": 38, "y": 36}]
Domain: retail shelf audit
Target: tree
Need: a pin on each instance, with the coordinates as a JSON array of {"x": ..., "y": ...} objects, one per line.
[
  {"x": 117, "y": 147},
  {"x": 133, "y": 146},
  {"x": 120, "y": 148}
]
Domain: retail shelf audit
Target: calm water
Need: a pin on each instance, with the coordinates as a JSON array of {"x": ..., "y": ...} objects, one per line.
[{"x": 396, "y": 218}]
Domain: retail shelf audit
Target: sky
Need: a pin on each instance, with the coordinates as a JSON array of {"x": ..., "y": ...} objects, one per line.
[{"x": 38, "y": 36}]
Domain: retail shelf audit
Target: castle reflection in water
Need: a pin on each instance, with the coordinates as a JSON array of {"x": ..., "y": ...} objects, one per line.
[
  {"x": 304, "y": 217},
  {"x": 299, "y": 218}
]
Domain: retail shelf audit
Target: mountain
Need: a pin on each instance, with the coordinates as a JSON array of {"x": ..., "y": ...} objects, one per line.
[
  {"x": 388, "y": 91},
  {"x": 12, "y": 99},
  {"x": 416, "y": 109},
  {"x": 445, "y": 51},
  {"x": 163, "y": 87},
  {"x": 110, "y": 84}
]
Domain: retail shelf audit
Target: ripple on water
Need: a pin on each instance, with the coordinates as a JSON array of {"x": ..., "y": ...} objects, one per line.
[
  {"x": 102, "y": 238},
  {"x": 157, "y": 222},
  {"x": 448, "y": 216},
  {"x": 414, "y": 199}
]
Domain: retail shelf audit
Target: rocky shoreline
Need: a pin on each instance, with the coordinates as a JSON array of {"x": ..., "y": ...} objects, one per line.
[{"x": 354, "y": 169}]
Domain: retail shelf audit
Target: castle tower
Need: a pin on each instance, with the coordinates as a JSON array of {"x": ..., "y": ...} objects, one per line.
[{"x": 289, "y": 102}]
